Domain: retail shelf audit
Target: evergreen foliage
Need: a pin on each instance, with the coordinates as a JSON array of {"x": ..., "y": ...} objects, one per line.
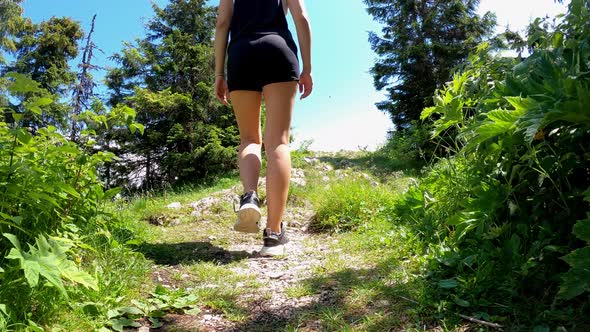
[
  {"x": 420, "y": 44},
  {"x": 167, "y": 78}
]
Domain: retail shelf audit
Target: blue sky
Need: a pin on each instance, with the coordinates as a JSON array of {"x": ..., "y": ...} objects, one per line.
[{"x": 340, "y": 114}]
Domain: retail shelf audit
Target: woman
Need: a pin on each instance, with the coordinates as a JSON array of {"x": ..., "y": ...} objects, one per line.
[{"x": 262, "y": 63}]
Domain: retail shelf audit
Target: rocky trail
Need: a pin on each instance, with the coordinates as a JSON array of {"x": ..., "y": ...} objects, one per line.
[
  {"x": 328, "y": 281},
  {"x": 264, "y": 294}
]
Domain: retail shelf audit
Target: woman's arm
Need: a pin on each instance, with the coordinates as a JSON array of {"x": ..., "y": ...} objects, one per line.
[
  {"x": 297, "y": 9},
  {"x": 224, "y": 15}
]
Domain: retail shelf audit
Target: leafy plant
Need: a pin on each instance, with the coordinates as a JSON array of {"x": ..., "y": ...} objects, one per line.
[
  {"x": 509, "y": 208},
  {"x": 50, "y": 206},
  {"x": 48, "y": 259},
  {"x": 577, "y": 280},
  {"x": 162, "y": 302}
]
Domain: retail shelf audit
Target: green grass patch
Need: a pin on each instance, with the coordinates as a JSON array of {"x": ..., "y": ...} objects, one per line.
[
  {"x": 299, "y": 290},
  {"x": 349, "y": 204}
]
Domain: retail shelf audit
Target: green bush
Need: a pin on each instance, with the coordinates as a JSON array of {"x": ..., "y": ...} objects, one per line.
[
  {"x": 507, "y": 218},
  {"x": 405, "y": 150},
  {"x": 51, "y": 212}
]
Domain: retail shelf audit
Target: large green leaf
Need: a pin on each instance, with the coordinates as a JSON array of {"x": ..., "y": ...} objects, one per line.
[
  {"x": 488, "y": 131},
  {"x": 448, "y": 283},
  {"x": 428, "y": 112},
  {"x": 577, "y": 280},
  {"x": 119, "y": 324},
  {"x": 522, "y": 105},
  {"x": 582, "y": 229},
  {"x": 579, "y": 259},
  {"x": 503, "y": 116},
  {"x": 36, "y": 104},
  {"x": 48, "y": 259},
  {"x": 68, "y": 189}
]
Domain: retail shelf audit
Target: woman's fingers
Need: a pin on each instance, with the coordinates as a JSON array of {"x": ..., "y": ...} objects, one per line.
[
  {"x": 221, "y": 90},
  {"x": 307, "y": 91},
  {"x": 305, "y": 85},
  {"x": 226, "y": 92},
  {"x": 220, "y": 96}
]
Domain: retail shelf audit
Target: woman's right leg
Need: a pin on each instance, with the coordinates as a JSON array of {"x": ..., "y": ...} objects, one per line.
[
  {"x": 279, "y": 99},
  {"x": 246, "y": 106}
]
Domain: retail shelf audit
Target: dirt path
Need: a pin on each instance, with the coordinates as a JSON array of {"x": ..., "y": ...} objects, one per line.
[
  {"x": 268, "y": 305},
  {"x": 326, "y": 282}
]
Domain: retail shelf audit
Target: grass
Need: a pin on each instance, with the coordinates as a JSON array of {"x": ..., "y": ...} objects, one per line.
[
  {"x": 367, "y": 282},
  {"x": 372, "y": 270},
  {"x": 299, "y": 290},
  {"x": 122, "y": 260}
]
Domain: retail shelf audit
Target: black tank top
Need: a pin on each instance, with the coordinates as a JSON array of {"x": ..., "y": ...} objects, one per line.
[{"x": 252, "y": 17}]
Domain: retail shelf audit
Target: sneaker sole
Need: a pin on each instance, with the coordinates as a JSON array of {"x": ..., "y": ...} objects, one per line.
[
  {"x": 248, "y": 217},
  {"x": 273, "y": 251}
]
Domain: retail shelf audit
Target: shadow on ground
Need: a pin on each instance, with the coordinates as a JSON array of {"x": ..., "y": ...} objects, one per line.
[
  {"x": 344, "y": 300},
  {"x": 188, "y": 253}
]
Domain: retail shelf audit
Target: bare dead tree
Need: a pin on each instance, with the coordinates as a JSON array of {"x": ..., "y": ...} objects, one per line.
[{"x": 85, "y": 86}]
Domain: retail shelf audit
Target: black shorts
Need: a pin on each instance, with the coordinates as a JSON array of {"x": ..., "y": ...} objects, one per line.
[{"x": 257, "y": 60}]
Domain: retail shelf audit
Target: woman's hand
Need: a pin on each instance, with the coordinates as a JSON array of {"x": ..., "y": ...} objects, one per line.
[
  {"x": 221, "y": 90},
  {"x": 305, "y": 84}
]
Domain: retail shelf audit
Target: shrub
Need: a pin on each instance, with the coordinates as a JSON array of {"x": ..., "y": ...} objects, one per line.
[
  {"x": 506, "y": 219},
  {"x": 50, "y": 210}
]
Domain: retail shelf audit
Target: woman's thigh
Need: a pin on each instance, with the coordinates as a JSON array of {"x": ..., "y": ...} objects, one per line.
[
  {"x": 246, "y": 105},
  {"x": 279, "y": 100}
]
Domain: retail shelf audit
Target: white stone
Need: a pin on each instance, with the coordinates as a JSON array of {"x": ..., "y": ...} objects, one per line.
[
  {"x": 174, "y": 222},
  {"x": 296, "y": 172},
  {"x": 298, "y": 181},
  {"x": 175, "y": 205}
]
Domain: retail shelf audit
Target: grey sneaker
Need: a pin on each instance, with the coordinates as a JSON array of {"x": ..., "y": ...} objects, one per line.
[
  {"x": 249, "y": 213},
  {"x": 274, "y": 243}
]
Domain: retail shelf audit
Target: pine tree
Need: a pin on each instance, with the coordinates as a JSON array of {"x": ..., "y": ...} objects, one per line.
[
  {"x": 421, "y": 42},
  {"x": 11, "y": 23},
  {"x": 167, "y": 78},
  {"x": 41, "y": 52}
]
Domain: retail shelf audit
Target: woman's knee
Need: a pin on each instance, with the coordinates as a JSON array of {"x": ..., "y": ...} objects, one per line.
[
  {"x": 280, "y": 147},
  {"x": 246, "y": 140},
  {"x": 272, "y": 141}
]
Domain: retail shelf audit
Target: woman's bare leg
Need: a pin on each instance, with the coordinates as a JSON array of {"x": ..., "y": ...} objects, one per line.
[
  {"x": 279, "y": 100},
  {"x": 246, "y": 106}
]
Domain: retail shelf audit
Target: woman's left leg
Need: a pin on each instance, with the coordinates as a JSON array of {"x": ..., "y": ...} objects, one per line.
[{"x": 246, "y": 105}]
